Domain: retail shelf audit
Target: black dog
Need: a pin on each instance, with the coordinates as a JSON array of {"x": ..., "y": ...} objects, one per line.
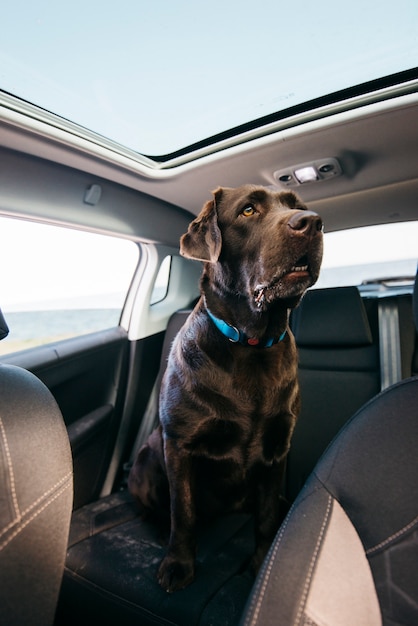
[{"x": 230, "y": 397}]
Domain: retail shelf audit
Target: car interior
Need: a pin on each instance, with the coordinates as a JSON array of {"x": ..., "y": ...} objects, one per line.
[{"x": 75, "y": 409}]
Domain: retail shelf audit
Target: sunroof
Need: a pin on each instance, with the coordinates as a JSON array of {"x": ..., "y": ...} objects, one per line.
[{"x": 158, "y": 77}]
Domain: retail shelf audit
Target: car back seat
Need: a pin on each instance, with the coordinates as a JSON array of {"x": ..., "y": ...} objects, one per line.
[
  {"x": 113, "y": 556},
  {"x": 339, "y": 370}
]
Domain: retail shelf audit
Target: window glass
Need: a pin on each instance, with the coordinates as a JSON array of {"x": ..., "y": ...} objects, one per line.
[
  {"x": 371, "y": 254},
  {"x": 58, "y": 282},
  {"x": 161, "y": 282},
  {"x": 161, "y": 104}
]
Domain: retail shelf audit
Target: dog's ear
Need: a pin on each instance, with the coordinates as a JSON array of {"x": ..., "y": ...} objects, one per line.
[{"x": 203, "y": 240}]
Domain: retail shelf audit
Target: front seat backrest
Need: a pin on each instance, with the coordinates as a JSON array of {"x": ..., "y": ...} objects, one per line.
[
  {"x": 35, "y": 499},
  {"x": 347, "y": 553}
]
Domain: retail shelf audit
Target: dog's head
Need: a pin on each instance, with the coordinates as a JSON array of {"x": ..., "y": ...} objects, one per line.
[{"x": 259, "y": 243}]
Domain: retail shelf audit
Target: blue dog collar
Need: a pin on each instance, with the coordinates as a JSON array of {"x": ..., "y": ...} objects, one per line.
[{"x": 237, "y": 336}]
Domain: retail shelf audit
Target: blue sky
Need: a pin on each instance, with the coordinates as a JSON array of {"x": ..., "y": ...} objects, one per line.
[{"x": 159, "y": 75}]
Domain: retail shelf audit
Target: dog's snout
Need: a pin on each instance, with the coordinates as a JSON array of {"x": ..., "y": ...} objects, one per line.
[{"x": 305, "y": 223}]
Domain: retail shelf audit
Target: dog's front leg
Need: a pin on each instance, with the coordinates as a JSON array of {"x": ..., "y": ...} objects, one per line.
[
  {"x": 177, "y": 568},
  {"x": 271, "y": 509}
]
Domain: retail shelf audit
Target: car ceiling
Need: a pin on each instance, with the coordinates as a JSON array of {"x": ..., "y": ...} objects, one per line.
[{"x": 375, "y": 142}]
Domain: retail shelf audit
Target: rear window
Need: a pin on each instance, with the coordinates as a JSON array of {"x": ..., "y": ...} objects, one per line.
[
  {"x": 58, "y": 283},
  {"x": 373, "y": 254}
]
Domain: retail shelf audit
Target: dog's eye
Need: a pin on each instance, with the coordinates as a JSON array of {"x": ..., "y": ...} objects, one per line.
[{"x": 248, "y": 210}]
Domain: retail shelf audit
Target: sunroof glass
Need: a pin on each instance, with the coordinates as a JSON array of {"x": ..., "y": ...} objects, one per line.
[{"x": 157, "y": 78}]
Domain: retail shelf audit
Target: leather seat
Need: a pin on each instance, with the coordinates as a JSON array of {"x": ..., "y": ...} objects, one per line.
[
  {"x": 111, "y": 569},
  {"x": 347, "y": 552},
  {"x": 339, "y": 371},
  {"x": 35, "y": 498}
]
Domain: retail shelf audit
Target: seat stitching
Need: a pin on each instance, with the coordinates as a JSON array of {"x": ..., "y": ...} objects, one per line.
[
  {"x": 393, "y": 537},
  {"x": 46, "y": 493},
  {"x": 11, "y": 472},
  {"x": 259, "y": 598},
  {"x": 35, "y": 503},
  {"x": 313, "y": 562},
  {"x": 35, "y": 514},
  {"x": 261, "y": 585}
]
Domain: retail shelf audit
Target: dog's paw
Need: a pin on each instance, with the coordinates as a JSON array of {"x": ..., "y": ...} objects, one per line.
[{"x": 174, "y": 574}]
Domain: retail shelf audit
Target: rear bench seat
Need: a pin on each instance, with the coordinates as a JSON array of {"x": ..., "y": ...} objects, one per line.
[
  {"x": 113, "y": 556},
  {"x": 339, "y": 370}
]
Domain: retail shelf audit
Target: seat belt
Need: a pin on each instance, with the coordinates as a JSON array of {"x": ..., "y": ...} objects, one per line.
[
  {"x": 389, "y": 342},
  {"x": 148, "y": 423},
  {"x": 149, "y": 420}
]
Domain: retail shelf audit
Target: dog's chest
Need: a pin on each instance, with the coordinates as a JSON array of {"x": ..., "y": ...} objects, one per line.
[
  {"x": 250, "y": 426},
  {"x": 236, "y": 406},
  {"x": 258, "y": 382}
]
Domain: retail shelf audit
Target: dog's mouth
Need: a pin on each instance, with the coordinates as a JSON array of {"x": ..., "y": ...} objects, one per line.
[
  {"x": 291, "y": 282},
  {"x": 300, "y": 267}
]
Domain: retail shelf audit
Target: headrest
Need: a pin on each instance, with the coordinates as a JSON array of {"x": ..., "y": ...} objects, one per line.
[
  {"x": 4, "y": 329},
  {"x": 331, "y": 317},
  {"x": 415, "y": 302}
]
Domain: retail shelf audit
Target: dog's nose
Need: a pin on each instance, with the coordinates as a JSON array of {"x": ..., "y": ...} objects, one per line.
[{"x": 305, "y": 223}]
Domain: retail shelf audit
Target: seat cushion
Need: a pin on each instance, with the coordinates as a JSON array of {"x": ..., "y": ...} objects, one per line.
[{"x": 112, "y": 565}]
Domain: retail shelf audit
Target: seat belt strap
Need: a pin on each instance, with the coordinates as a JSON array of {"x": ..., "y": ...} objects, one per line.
[
  {"x": 148, "y": 423},
  {"x": 389, "y": 341},
  {"x": 149, "y": 420}
]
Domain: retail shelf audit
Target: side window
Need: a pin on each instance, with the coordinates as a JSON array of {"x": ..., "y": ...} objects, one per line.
[
  {"x": 161, "y": 282},
  {"x": 58, "y": 282},
  {"x": 370, "y": 254}
]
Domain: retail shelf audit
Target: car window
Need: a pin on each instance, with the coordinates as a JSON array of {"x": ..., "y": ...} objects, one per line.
[
  {"x": 161, "y": 282},
  {"x": 161, "y": 105},
  {"x": 370, "y": 254},
  {"x": 59, "y": 282}
]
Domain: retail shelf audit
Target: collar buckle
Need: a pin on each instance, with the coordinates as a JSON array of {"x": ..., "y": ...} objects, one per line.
[
  {"x": 233, "y": 338},
  {"x": 236, "y": 336}
]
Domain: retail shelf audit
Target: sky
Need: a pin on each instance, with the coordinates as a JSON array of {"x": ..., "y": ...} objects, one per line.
[{"x": 160, "y": 75}]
